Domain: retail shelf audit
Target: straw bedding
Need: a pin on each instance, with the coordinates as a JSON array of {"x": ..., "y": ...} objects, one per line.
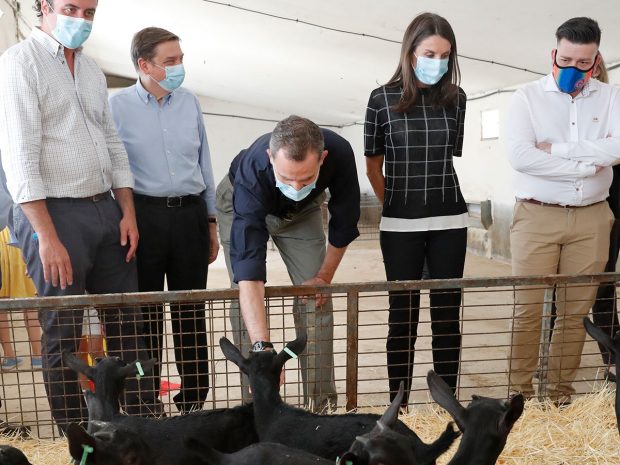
[{"x": 582, "y": 433}]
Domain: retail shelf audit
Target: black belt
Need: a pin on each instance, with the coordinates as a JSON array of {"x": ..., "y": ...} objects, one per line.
[
  {"x": 557, "y": 205},
  {"x": 93, "y": 198},
  {"x": 170, "y": 202}
]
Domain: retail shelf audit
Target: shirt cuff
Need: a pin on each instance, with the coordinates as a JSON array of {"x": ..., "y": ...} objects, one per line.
[
  {"x": 121, "y": 179},
  {"x": 588, "y": 169},
  {"x": 28, "y": 191},
  {"x": 210, "y": 202},
  {"x": 560, "y": 149},
  {"x": 250, "y": 269}
]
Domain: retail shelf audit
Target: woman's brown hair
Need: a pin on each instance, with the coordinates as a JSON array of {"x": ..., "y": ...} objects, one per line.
[{"x": 445, "y": 92}]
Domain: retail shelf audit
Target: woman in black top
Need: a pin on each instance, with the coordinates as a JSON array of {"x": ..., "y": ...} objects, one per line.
[{"x": 414, "y": 124}]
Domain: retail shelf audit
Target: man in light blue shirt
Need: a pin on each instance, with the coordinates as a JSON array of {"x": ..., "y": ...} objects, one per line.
[{"x": 162, "y": 128}]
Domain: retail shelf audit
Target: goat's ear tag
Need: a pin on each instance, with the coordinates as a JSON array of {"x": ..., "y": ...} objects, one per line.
[
  {"x": 293, "y": 355},
  {"x": 140, "y": 370},
  {"x": 86, "y": 450}
]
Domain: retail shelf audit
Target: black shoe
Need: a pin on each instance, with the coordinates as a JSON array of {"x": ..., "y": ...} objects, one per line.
[
  {"x": 17, "y": 431},
  {"x": 609, "y": 376}
]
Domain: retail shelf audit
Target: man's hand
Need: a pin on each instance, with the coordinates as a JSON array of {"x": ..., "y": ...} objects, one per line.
[
  {"x": 129, "y": 234},
  {"x": 316, "y": 281},
  {"x": 214, "y": 245},
  {"x": 56, "y": 262},
  {"x": 544, "y": 146}
]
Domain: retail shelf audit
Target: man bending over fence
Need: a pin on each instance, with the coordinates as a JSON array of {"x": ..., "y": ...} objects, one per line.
[{"x": 276, "y": 188}]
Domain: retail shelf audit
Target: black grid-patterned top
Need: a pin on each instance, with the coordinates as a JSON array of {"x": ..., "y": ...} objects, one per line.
[{"x": 420, "y": 181}]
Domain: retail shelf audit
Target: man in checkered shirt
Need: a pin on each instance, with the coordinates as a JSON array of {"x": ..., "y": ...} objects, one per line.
[{"x": 68, "y": 172}]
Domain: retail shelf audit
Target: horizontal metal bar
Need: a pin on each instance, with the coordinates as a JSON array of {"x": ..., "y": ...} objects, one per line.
[{"x": 148, "y": 298}]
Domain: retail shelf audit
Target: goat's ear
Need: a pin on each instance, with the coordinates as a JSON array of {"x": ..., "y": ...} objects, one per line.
[
  {"x": 348, "y": 458},
  {"x": 442, "y": 394},
  {"x": 131, "y": 369},
  {"x": 510, "y": 416},
  {"x": 232, "y": 353},
  {"x": 391, "y": 414},
  {"x": 294, "y": 347},
  {"x": 599, "y": 335},
  {"x": 77, "y": 437},
  {"x": 77, "y": 364}
]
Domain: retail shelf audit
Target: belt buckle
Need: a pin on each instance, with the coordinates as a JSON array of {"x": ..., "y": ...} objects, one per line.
[
  {"x": 173, "y": 202},
  {"x": 97, "y": 198}
]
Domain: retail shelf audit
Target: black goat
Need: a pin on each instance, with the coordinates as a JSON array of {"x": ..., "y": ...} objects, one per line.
[
  {"x": 384, "y": 446},
  {"x": 613, "y": 345},
  {"x": 10, "y": 455},
  {"x": 327, "y": 436},
  {"x": 263, "y": 453},
  {"x": 485, "y": 422},
  {"x": 109, "y": 444},
  {"x": 226, "y": 430}
]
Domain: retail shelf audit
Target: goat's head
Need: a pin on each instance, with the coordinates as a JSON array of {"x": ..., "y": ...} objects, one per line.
[
  {"x": 385, "y": 446},
  {"x": 485, "y": 422},
  {"x": 109, "y": 374},
  {"x": 265, "y": 366},
  {"x": 110, "y": 445},
  {"x": 613, "y": 345},
  {"x": 10, "y": 455}
]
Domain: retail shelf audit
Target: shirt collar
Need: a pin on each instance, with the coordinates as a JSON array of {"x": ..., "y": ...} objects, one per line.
[
  {"x": 550, "y": 85},
  {"x": 145, "y": 95},
  {"x": 50, "y": 44}
]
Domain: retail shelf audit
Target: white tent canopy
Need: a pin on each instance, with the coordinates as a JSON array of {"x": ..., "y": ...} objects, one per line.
[{"x": 240, "y": 53}]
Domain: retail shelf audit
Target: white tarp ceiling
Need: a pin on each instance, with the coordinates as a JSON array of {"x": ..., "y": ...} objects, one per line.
[{"x": 242, "y": 56}]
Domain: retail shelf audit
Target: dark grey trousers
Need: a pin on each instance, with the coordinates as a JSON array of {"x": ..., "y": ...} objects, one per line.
[{"x": 90, "y": 232}]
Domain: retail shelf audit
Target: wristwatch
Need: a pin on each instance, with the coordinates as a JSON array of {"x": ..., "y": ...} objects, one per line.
[{"x": 259, "y": 346}]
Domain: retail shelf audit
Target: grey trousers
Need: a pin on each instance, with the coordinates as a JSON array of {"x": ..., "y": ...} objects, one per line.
[
  {"x": 301, "y": 243},
  {"x": 90, "y": 233}
]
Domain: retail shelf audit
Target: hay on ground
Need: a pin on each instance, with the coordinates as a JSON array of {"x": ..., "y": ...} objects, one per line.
[{"x": 584, "y": 433}]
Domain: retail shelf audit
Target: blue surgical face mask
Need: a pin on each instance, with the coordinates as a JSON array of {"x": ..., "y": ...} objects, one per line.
[
  {"x": 292, "y": 193},
  {"x": 430, "y": 70},
  {"x": 174, "y": 77},
  {"x": 71, "y": 32}
]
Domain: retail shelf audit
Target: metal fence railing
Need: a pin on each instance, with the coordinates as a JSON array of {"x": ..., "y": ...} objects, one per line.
[{"x": 360, "y": 328}]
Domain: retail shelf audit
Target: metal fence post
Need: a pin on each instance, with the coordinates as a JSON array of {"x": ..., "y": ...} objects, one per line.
[
  {"x": 545, "y": 343},
  {"x": 311, "y": 350},
  {"x": 352, "y": 349}
]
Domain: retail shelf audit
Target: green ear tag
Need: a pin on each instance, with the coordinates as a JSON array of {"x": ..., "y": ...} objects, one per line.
[
  {"x": 140, "y": 370},
  {"x": 292, "y": 355},
  {"x": 87, "y": 450}
]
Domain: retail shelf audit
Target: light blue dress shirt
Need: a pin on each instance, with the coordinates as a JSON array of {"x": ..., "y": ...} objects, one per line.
[{"x": 166, "y": 143}]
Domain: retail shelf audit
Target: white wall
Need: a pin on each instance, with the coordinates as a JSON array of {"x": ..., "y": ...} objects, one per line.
[{"x": 8, "y": 26}]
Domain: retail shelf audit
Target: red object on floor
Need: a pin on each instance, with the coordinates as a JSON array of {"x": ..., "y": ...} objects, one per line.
[{"x": 166, "y": 387}]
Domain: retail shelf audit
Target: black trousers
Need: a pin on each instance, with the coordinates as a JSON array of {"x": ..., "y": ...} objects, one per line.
[
  {"x": 90, "y": 233},
  {"x": 404, "y": 254},
  {"x": 174, "y": 244}
]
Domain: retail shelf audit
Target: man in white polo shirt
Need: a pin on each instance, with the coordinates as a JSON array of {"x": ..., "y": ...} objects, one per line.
[{"x": 562, "y": 137}]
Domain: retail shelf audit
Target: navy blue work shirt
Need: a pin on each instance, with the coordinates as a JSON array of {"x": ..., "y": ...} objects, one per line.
[{"x": 256, "y": 196}]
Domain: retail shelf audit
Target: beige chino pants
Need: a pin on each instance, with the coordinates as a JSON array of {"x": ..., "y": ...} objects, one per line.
[{"x": 550, "y": 240}]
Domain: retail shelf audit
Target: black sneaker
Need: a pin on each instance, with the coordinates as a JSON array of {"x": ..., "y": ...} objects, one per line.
[
  {"x": 15, "y": 431},
  {"x": 609, "y": 376}
]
